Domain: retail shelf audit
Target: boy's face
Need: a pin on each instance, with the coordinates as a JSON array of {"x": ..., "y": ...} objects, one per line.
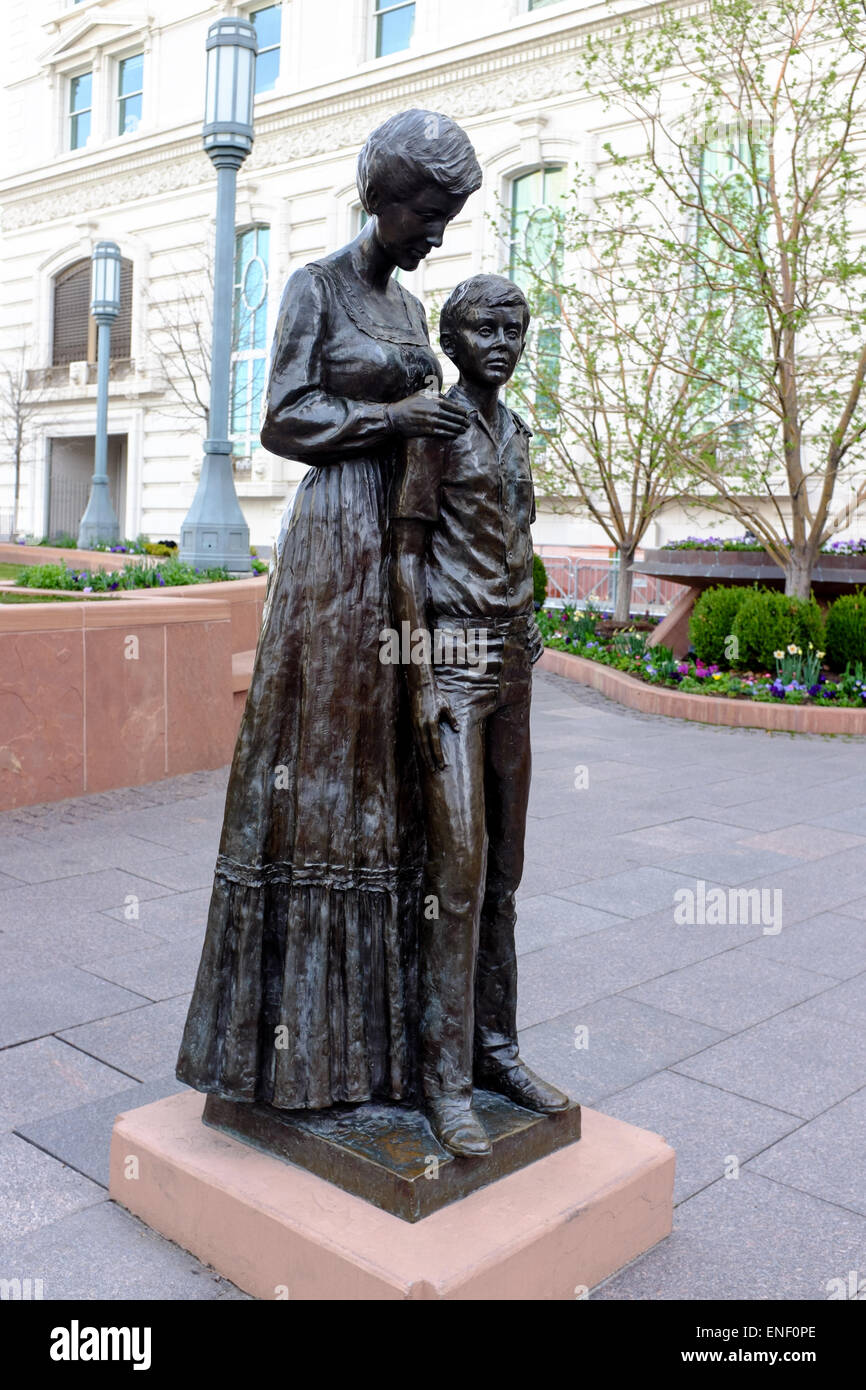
[{"x": 487, "y": 343}]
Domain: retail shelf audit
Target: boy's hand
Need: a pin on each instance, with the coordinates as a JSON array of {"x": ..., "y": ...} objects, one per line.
[{"x": 428, "y": 710}]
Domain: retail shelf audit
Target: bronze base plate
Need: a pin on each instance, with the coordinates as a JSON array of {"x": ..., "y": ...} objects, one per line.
[{"x": 388, "y": 1155}]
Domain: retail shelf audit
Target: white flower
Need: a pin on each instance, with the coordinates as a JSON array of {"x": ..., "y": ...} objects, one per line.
[{"x": 779, "y": 655}]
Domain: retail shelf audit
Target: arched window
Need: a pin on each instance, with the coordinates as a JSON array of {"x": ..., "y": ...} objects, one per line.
[
  {"x": 535, "y": 246},
  {"x": 249, "y": 338},
  {"x": 74, "y": 330}
]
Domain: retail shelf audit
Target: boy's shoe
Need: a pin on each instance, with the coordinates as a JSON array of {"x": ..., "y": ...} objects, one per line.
[
  {"x": 457, "y": 1127},
  {"x": 518, "y": 1083}
]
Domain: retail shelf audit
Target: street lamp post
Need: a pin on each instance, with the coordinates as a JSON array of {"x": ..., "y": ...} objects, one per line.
[
  {"x": 99, "y": 522},
  {"x": 214, "y": 532}
]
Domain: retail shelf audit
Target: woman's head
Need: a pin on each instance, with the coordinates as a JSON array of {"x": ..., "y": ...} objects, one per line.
[{"x": 415, "y": 172}]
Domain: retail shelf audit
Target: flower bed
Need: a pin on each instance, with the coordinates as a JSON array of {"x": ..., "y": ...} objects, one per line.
[
  {"x": 135, "y": 576},
  {"x": 798, "y": 679},
  {"x": 842, "y": 547}
]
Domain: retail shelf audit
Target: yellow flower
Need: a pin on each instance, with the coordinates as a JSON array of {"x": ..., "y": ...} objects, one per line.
[
  {"x": 717, "y": 676},
  {"x": 819, "y": 655},
  {"x": 778, "y": 655}
]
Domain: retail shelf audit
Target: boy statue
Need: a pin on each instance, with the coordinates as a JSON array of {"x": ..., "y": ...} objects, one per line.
[{"x": 462, "y": 567}]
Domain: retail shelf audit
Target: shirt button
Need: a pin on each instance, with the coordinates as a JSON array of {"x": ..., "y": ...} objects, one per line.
[{"x": 511, "y": 588}]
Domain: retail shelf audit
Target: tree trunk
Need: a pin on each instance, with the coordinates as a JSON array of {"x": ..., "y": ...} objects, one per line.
[
  {"x": 16, "y": 497},
  {"x": 798, "y": 573},
  {"x": 625, "y": 580}
]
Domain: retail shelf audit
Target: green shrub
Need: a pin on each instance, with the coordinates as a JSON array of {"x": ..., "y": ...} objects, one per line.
[
  {"x": 846, "y": 630},
  {"x": 166, "y": 575},
  {"x": 539, "y": 579},
  {"x": 768, "y": 621},
  {"x": 712, "y": 623}
]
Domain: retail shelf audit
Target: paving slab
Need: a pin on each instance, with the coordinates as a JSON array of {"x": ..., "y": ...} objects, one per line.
[
  {"x": 175, "y": 916},
  {"x": 706, "y": 1126},
  {"x": 595, "y": 1051},
  {"x": 81, "y": 1137},
  {"x": 831, "y": 944},
  {"x": 826, "y": 1157},
  {"x": 162, "y": 972},
  {"x": 104, "y": 1253},
  {"x": 41, "y": 904},
  {"x": 747, "y": 1238},
  {"x": 801, "y": 1060},
  {"x": 58, "y": 999},
  {"x": 730, "y": 991},
  {"x": 36, "y": 1189},
  {"x": 44, "y": 1077},
  {"x": 143, "y": 1044},
  {"x": 545, "y": 919}
]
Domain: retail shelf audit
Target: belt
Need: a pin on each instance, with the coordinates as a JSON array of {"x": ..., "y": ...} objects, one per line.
[{"x": 515, "y": 623}]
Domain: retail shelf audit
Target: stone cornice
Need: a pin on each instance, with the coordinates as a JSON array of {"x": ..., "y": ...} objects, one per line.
[{"x": 521, "y": 71}]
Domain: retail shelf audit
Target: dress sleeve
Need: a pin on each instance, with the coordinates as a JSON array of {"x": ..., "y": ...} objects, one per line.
[
  {"x": 418, "y": 487},
  {"x": 302, "y": 420}
]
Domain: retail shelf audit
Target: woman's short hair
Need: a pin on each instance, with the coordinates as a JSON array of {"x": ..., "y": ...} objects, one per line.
[
  {"x": 481, "y": 292},
  {"x": 410, "y": 151}
]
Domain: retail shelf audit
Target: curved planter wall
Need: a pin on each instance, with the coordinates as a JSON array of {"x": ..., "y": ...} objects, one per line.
[{"x": 704, "y": 709}]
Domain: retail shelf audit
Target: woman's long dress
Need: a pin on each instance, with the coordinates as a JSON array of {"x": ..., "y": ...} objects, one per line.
[{"x": 305, "y": 993}]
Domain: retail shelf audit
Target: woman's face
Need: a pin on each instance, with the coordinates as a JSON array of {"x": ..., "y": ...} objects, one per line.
[{"x": 408, "y": 231}]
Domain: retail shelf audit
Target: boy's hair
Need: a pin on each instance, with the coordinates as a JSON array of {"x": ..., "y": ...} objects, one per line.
[
  {"x": 412, "y": 151},
  {"x": 481, "y": 291}
]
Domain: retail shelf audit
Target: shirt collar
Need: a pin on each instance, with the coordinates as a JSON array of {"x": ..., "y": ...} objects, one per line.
[{"x": 506, "y": 417}]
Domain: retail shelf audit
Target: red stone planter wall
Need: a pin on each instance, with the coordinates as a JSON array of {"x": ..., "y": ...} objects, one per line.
[
  {"x": 80, "y": 713},
  {"x": 705, "y": 709}
]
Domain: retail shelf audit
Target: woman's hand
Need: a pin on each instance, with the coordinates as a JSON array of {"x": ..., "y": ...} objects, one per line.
[{"x": 428, "y": 414}]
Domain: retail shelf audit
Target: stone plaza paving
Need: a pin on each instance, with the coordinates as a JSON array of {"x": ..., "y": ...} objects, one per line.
[{"x": 743, "y": 1046}]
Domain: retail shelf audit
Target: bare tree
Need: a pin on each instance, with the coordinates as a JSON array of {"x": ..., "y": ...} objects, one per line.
[
  {"x": 18, "y": 405},
  {"x": 180, "y": 340}
]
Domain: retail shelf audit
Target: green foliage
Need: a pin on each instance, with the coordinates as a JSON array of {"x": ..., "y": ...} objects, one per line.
[
  {"x": 769, "y": 621},
  {"x": 167, "y": 575},
  {"x": 712, "y": 623},
  {"x": 846, "y": 630},
  {"x": 629, "y": 643},
  {"x": 258, "y": 566},
  {"x": 62, "y": 542},
  {"x": 539, "y": 579}
]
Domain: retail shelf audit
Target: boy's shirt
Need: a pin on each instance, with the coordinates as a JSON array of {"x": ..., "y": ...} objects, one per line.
[{"x": 477, "y": 494}]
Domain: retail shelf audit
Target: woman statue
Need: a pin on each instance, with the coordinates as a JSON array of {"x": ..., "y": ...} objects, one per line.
[{"x": 305, "y": 995}]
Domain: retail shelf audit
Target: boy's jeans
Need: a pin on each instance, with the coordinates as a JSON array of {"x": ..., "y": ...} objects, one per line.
[{"x": 475, "y": 818}]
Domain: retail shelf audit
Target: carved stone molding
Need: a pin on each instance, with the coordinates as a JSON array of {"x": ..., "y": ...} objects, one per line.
[{"x": 323, "y": 128}]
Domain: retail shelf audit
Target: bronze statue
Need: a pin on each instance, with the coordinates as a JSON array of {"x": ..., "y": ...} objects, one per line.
[
  {"x": 305, "y": 995},
  {"x": 308, "y": 1001},
  {"x": 463, "y": 563}
]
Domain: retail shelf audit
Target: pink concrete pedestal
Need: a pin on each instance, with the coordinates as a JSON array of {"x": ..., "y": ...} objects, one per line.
[{"x": 550, "y": 1231}]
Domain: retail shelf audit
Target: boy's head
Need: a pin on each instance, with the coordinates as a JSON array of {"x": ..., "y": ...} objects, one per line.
[{"x": 482, "y": 328}]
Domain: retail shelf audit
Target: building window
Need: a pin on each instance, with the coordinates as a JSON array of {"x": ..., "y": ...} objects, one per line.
[
  {"x": 130, "y": 86},
  {"x": 394, "y": 25},
  {"x": 535, "y": 246},
  {"x": 267, "y": 22},
  {"x": 540, "y": 4},
  {"x": 74, "y": 338},
  {"x": 80, "y": 109},
  {"x": 249, "y": 338}
]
